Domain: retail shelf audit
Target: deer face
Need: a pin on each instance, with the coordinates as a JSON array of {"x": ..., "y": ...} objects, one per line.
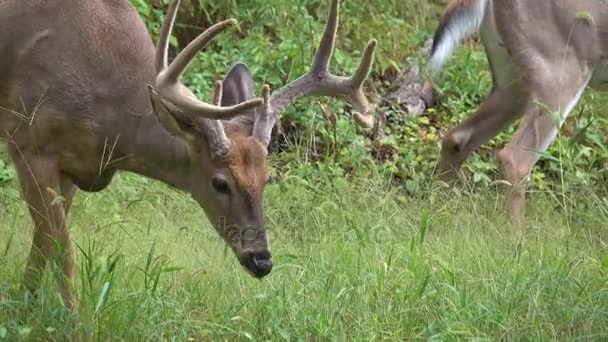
[
  {"x": 228, "y": 171},
  {"x": 231, "y": 194}
]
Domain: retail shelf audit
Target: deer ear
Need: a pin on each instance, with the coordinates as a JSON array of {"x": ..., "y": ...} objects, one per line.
[{"x": 237, "y": 86}]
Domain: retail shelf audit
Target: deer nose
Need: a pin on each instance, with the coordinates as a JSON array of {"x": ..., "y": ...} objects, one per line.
[{"x": 259, "y": 264}]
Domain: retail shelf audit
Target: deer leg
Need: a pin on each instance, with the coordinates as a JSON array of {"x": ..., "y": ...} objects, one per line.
[
  {"x": 535, "y": 133},
  {"x": 66, "y": 280},
  {"x": 496, "y": 112},
  {"x": 41, "y": 184},
  {"x": 68, "y": 190}
]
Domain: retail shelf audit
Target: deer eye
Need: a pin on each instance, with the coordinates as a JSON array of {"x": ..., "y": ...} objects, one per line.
[{"x": 220, "y": 185}]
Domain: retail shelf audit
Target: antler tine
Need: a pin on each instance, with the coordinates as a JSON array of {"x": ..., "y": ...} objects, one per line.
[
  {"x": 365, "y": 66},
  {"x": 180, "y": 63},
  {"x": 167, "y": 81},
  {"x": 325, "y": 50},
  {"x": 217, "y": 93},
  {"x": 359, "y": 100},
  {"x": 165, "y": 32},
  {"x": 265, "y": 120},
  {"x": 219, "y": 144},
  {"x": 319, "y": 81}
]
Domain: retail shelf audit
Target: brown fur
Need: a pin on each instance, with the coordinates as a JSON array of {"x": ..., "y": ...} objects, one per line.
[
  {"x": 247, "y": 162},
  {"x": 458, "y": 4},
  {"x": 455, "y": 8}
]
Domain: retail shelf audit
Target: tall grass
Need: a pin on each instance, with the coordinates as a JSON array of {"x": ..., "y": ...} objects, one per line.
[{"x": 354, "y": 259}]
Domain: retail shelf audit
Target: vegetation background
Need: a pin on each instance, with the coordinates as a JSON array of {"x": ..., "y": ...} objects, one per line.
[{"x": 365, "y": 246}]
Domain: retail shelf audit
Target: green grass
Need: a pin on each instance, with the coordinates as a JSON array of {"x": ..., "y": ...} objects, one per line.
[{"x": 353, "y": 259}]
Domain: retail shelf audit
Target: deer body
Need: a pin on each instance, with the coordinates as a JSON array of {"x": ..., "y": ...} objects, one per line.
[
  {"x": 543, "y": 55},
  {"x": 81, "y": 102},
  {"x": 84, "y": 93},
  {"x": 85, "y": 112}
]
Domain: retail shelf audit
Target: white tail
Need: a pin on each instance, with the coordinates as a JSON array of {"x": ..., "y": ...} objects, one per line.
[{"x": 461, "y": 19}]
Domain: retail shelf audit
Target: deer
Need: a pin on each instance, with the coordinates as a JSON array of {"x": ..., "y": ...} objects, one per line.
[
  {"x": 542, "y": 56},
  {"x": 84, "y": 94}
]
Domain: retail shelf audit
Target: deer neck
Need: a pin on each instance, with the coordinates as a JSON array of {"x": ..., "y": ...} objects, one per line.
[{"x": 152, "y": 152}]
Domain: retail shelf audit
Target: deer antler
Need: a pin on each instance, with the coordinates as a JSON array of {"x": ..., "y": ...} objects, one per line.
[
  {"x": 214, "y": 129},
  {"x": 320, "y": 82},
  {"x": 167, "y": 81}
]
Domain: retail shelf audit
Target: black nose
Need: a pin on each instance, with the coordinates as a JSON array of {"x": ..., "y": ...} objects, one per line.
[{"x": 259, "y": 264}]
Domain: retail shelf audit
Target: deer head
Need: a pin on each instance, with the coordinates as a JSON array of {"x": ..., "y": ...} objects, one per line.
[{"x": 227, "y": 140}]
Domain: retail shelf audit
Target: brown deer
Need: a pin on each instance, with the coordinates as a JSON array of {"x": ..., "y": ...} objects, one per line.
[
  {"x": 543, "y": 55},
  {"x": 83, "y": 94}
]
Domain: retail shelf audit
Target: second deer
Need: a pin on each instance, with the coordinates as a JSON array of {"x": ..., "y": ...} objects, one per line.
[{"x": 543, "y": 55}]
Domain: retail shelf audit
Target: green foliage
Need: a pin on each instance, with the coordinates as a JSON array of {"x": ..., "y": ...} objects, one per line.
[
  {"x": 278, "y": 43},
  {"x": 6, "y": 172}
]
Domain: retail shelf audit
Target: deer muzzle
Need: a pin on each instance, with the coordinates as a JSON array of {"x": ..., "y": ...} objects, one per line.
[{"x": 259, "y": 264}]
